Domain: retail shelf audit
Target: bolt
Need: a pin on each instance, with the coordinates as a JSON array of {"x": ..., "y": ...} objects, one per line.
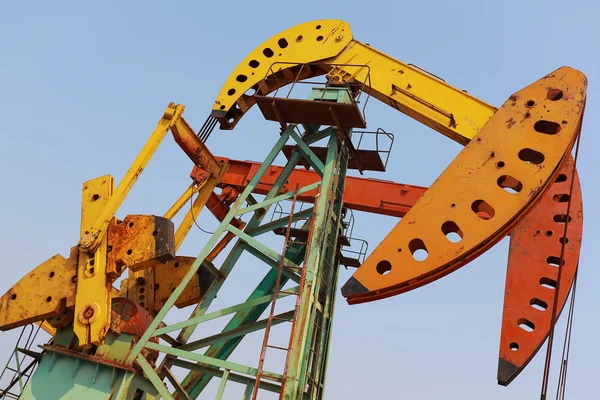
[
  {"x": 88, "y": 313},
  {"x": 339, "y": 38}
]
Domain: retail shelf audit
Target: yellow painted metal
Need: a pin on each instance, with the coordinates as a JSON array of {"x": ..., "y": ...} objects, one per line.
[
  {"x": 407, "y": 88},
  {"x": 150, "y": 287},
  {"x": 168, "y": 276},
  {"x": 139, "y": 241},
  {"x": 483, "y": 193},
  {"x": 47, "y": 327},
  {"x": 204, "y": 190},
  {"x": 44, "y": 293},
  {"x": 412, "y": 91},
  {"x": 95, "y": 229},
  {"x": 142, "y": 286},
  {"x": 92, "y": 301},
  {"x": 181, "y": 201},
  {"x": 307, "y": 42}
]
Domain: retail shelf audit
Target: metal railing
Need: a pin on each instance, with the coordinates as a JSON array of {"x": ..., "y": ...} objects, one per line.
[
  {"x": 383, "y": 148},
  {"x": 275, "y": 76},
  {"x": 21, "y": 372}
]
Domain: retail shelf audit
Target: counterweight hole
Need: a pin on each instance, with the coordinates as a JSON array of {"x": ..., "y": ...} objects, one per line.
[
  {"x": 531, "y": 156},
  {"x": 384, "y": 267},
  {"x": 526, "y": 325},
  {"x": 561, "y": 198},
  {"x": 538, "y": 304},
  {"x": 483, "y": 210},
  {"x": 561, "y": 218},
  {"x": 282, "y": 43},
  {"x": 547, "y": 127},
  {"x": 548, "y": 283},
  {"x": 561, "y": 178},
  {"x": 554, "y": 261},
  {"x": 452, "y": 232},
  {"x": 554, "y": 94},
  {"x": 510, "y": 184},
  {"x": 418, "y": 249},
  {"x": 268, "y": 52}
]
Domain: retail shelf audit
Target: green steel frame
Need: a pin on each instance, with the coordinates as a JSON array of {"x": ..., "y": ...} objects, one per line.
[{"x": 316, "y": 260}]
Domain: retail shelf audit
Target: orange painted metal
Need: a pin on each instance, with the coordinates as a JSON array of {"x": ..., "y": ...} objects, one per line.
[
  {"x": 535, "y": 239},
  {"x": 487, "y": 189},
  {"x": 535, "y": 248},
  {"x": 369, "y": 195}
]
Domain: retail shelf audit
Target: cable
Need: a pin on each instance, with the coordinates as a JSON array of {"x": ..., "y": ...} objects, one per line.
[
  {"x": 546, "y": 376},
  {"x": 194, "y": 218},
  {"x": 562, "y": 383}
]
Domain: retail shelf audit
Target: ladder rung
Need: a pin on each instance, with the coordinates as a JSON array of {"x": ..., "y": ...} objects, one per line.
[
  {"x": 278, "y": 347},
  {"x": 11, "y": 369}
]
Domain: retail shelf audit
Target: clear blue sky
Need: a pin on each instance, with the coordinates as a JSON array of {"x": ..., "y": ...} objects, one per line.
[{"x": 82, "y": 85}]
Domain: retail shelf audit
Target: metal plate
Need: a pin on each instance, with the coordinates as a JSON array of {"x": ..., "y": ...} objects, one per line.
[
  {"x": 483, "y": 194},
  {"x": 534, "y": 254},
  {"x": 295, "y": 111}
]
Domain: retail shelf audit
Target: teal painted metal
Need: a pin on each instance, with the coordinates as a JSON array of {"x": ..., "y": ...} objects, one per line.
[
  {"x": 61, "y": 376},
  {"x": 254, "y": 222},
  {"x": 286, "y": 196},
  {"x": 202, "y": 256},
  {"x": 222, "y": 385},
  {"x": 271, "y": 387},
  {"x": 319, "y": 266},
  {"x": 281, "y": 222},
  {"x": 219, "y": 313},
  {"x": 319, "y": 271},
  {"x": 154, "y": 378},
  {"x": 308, "y": 154},
  {"x": 213, "y": 361},
  {"x": 274, "y": 263},
  {"x": 197, "y": 382},
  {"x": 14, "y": 365},
  {"x": 234, "y": 333}
]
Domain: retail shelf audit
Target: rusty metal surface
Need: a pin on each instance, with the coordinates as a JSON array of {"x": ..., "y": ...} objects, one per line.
[
  {"x": 535, "y": 248},
  {"x": 484, "y": 192},
  {"x": 168, "y": 276},
  {"x": 44, "y": 293},
  {"x": 310, "y": 112},
  {"x": 139, "y": 241},
  {"x": 195, "y": 149},
  {"x": 362, "y": 194},
  {"x": 77, "y": 354},
  {"x": 128, "y": 317}
]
